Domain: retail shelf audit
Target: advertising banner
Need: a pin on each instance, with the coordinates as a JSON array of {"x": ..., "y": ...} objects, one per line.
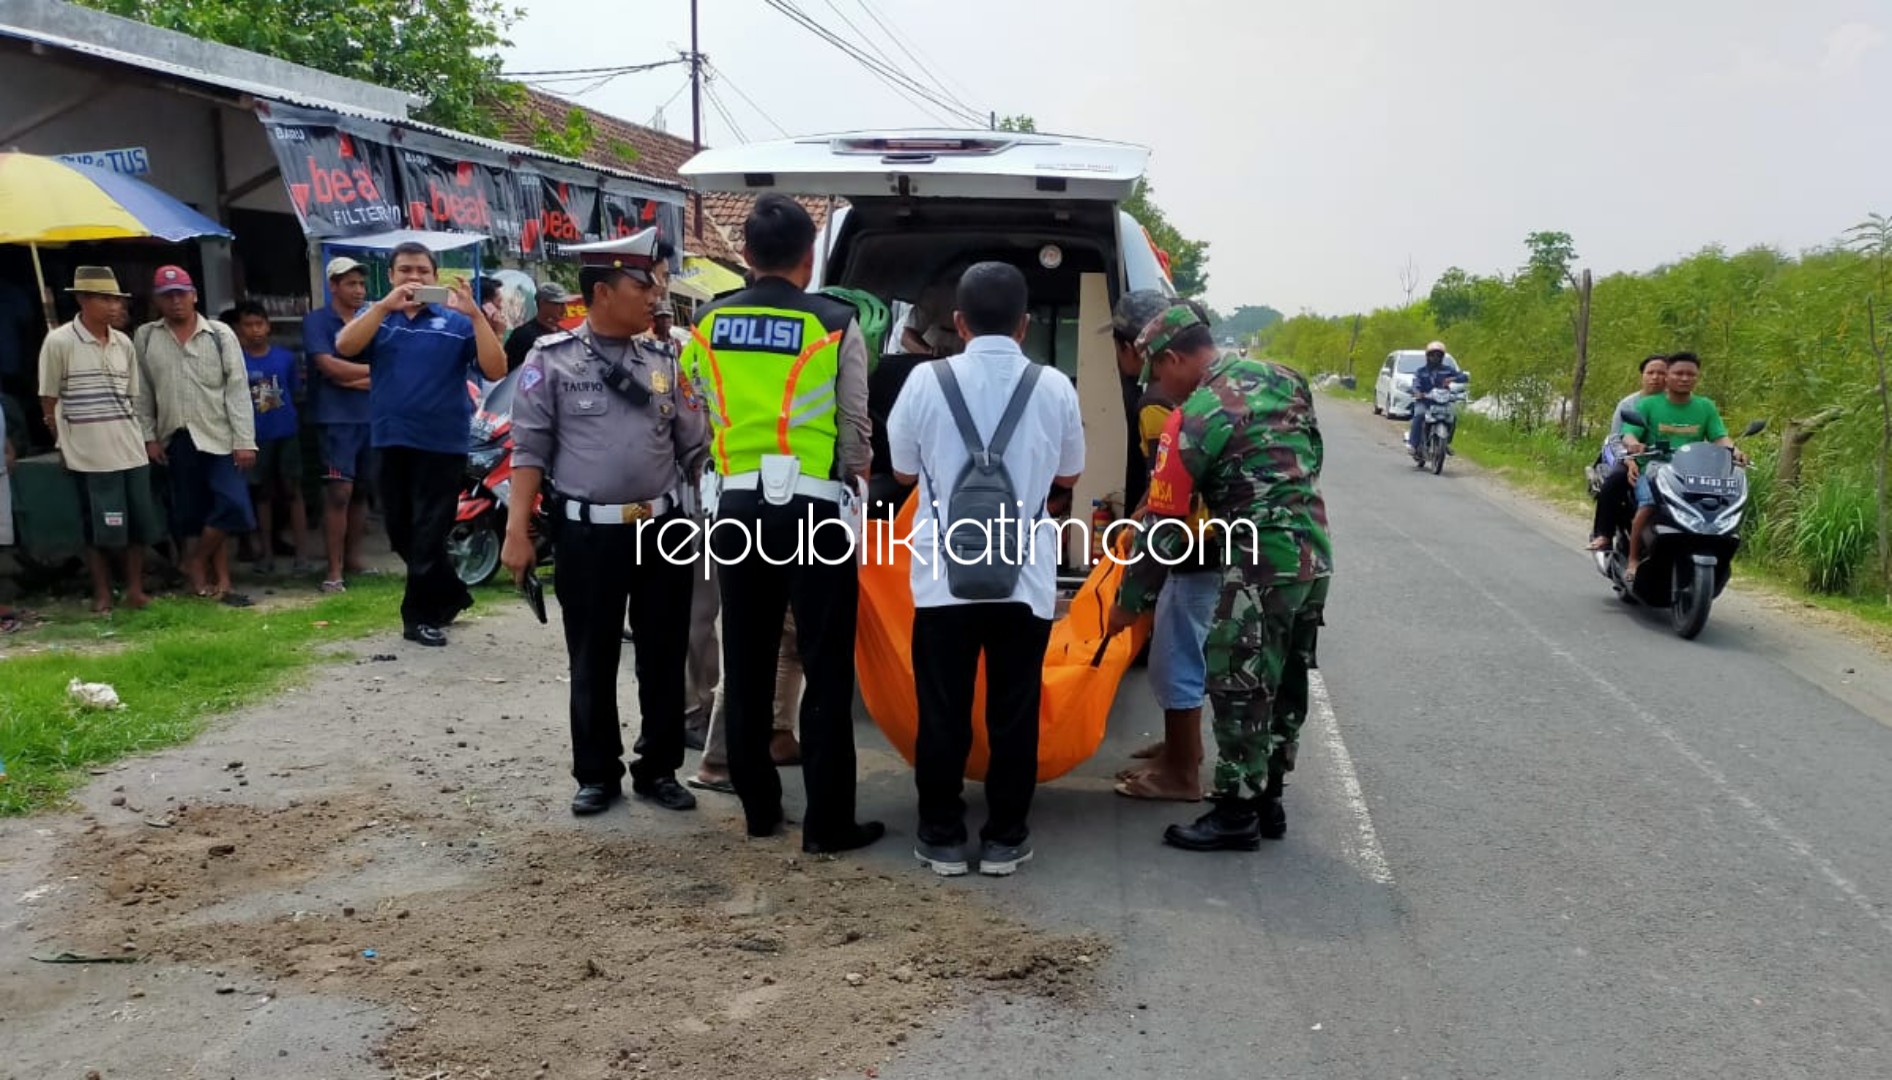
[
  {"x": 340, "y": 185},
  {"x": 463, "y": 196}
]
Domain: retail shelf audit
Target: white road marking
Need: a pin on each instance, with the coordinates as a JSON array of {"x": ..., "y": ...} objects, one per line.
[
  {"x": 1365, "y": 851},
  {"x": 1755, "y": 811}
]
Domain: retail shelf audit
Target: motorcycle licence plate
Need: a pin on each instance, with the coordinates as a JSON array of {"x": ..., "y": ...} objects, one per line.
[{"x": 1716, "y": 483}]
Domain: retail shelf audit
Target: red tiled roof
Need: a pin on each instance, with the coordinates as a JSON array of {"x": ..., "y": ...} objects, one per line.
[{"x": 656, "y": 154}]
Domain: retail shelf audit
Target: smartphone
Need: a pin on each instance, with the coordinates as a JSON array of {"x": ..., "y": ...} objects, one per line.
[
  {"x": 534, "y": 593},
  {"x": 433, "y": 294}
]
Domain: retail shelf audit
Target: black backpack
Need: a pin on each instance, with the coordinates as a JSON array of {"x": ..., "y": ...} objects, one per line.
[{"x": 982, "y": 490}]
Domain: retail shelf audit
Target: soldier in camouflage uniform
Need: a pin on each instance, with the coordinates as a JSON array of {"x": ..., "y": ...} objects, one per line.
[{"x": 1248, "y": 444}]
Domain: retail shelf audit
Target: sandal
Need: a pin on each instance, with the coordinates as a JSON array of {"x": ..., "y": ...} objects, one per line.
[
  {"x": 1599, "y": 543},
  {"x": 725, "y": 786}
]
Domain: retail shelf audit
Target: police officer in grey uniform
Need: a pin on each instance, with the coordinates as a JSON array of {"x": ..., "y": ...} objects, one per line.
[{"x": 603, "y": 420}]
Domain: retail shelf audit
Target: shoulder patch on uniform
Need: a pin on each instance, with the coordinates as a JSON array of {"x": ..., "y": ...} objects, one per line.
[
  {"x": 556, "y": 337},
  {"x": 530, "y": 377}
]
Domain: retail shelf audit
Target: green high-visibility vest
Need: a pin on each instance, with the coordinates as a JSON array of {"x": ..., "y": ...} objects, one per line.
[{"x": 768, "y": 378}]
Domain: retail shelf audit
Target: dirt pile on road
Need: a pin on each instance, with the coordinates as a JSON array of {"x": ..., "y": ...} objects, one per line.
[{"x": 517, "y": 951}]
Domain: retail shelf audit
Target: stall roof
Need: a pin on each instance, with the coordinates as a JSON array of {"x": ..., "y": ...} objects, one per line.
[{"x": 253, "y": 89}]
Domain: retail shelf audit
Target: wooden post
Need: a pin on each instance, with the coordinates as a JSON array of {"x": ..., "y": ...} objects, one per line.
[{"x": 1575, "y": 419}]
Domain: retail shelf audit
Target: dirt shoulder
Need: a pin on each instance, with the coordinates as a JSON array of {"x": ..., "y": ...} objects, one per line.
[{"x": 376, "y": 875}]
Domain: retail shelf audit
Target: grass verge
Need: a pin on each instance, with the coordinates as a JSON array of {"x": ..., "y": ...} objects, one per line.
[
  {"x": 1541, "y": 463},
  {"x": 175, "y": 665}
]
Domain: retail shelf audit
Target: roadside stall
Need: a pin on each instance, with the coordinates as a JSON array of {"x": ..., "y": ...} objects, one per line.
[{"x": 46, "y": 203}]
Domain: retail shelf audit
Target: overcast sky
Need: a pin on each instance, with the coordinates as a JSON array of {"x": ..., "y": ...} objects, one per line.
[{"x": 1317, "y": 143}]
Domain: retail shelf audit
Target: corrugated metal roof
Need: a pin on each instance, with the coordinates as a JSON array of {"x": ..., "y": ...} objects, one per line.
[{"x": 294, "y": 98}]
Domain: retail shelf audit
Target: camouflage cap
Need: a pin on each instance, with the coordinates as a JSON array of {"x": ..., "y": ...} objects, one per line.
[
  {"x": 1134, "y": 311},
  {"x": 1160, "y": 331}
]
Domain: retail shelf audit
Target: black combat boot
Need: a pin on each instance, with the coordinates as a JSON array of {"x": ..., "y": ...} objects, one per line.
[
  {"x": 1268, "y": 808},
  {"x": 1232, "y": 826}
]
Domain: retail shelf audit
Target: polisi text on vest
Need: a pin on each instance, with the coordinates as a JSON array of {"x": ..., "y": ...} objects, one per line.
[{"x": 763, "y": 333}]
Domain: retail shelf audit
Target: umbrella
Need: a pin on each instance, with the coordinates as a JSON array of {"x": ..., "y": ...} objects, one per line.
[{"x": 47, "y": 201}]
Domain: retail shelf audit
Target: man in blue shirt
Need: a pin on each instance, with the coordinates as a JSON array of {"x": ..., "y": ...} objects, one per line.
[
  {"x": 1432, "y": 376},
  {"x": 420, "y": 356},
  {"x": 338, "y": 400}
]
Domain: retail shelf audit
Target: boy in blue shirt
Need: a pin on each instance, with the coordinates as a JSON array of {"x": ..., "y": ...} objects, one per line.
[{"x": 277, "y": 477}]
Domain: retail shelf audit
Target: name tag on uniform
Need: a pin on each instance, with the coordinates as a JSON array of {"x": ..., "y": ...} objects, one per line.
[{"x": 758, "y": 333}]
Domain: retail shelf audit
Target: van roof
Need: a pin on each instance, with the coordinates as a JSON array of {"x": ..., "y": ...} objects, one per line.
[{"x": 927, "y": 163}]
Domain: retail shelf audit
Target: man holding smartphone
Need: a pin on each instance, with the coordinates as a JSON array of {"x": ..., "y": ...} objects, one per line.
[{"x": 420, "y": 356}]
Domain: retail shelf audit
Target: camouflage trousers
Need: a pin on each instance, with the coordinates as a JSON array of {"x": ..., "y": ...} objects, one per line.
[{"x": 1260, "y": 649}]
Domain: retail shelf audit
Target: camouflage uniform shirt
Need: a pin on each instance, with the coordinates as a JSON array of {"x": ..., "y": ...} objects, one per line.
[{"x": 1249, "y": 442}]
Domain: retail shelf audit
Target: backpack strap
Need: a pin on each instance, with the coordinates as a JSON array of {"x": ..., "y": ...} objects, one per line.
[
  {"x": 956, "y": 403},
  {"x": 982, "y": 454},
  {"x": 1015, "y": 409}
]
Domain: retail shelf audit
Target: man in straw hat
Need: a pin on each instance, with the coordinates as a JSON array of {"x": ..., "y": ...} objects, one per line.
[{"x": 90, "y": 382}]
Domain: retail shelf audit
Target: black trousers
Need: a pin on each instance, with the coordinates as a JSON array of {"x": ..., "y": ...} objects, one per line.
[
  {"x": 600, "y": 572},
  {"x": 420, "y": 492},
  {"x": 947, "y": 642},
  {"x": 1615, "y": 500},
  {"x": 756, "y": 597}
]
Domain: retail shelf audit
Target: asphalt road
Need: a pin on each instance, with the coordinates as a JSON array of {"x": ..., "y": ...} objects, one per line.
[{"x": 1537, "y": 836}]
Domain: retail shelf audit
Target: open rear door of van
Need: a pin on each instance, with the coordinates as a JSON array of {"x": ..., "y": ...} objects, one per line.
[{"x": 926, "y": 164}]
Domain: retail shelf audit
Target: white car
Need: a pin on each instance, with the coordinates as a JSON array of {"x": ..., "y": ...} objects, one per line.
[
  {"x": 1392, "y": 392},
  {"x": 921, "y": 206}
]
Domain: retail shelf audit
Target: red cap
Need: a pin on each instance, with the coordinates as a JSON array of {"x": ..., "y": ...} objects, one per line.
[{"x": 171, "y": 279}]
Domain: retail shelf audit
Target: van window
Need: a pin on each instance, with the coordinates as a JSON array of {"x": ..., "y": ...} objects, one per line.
[{"x": 1140, "y": 268}]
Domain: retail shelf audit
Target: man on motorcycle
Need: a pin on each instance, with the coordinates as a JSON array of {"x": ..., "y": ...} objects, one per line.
[
  {"x": 1435, "y": 374},
  {"x": 1623, "y": 470},
  {"x": 1673, "y": 420}
]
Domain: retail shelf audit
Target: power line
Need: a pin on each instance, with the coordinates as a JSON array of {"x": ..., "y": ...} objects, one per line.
[
  {"x": 886, "y": 74},
  {"x": 892, "y": 78},
  {"x": 899, "y": 40},
  {"x": 722, "y": 110},
  {"x": 616, "y": 69},
  {"x": 725, "y": 79},
  {"x": 894, "y": 65},
  {"x": 865, "y": 40}
]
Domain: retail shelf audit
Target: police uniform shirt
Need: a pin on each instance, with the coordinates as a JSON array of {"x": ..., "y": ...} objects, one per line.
[{"x": 594, "y": 442}]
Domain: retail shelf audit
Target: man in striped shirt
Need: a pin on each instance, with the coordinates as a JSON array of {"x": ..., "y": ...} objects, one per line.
[{"x": 89, "y": 384}]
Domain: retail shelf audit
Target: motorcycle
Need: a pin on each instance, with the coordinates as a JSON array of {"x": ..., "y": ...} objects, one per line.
[
  {"x": 479, "y": 527},
  {"x": 1688, "y": 550},
  {"x": 1440, "y": 424}
]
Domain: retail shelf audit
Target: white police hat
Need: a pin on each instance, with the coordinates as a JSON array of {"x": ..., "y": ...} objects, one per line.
[{"x": 637, "y": 251}]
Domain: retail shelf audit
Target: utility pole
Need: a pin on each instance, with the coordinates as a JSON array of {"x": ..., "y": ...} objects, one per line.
[{"x": 696, "y": 109}]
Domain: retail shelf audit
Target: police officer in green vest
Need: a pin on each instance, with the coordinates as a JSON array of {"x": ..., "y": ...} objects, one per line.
[{"x": 782, "y": 374}]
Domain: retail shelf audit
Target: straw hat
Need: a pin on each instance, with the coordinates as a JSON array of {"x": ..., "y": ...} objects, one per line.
[{"x": 96, "y": 279}]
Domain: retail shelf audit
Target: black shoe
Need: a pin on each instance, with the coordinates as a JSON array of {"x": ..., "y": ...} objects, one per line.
[
  {"x": 852, "y": 838},
  {"x": 1232, "y": 826},
  {"x": 1273, "y": 819},
  {"x": 693, "y": 738},
  {"x": 595, "y": 798},
  {"x": 768, "y": 826},
  {"x": 430, "y": 636},
  {"x": 665, "y": 792}
]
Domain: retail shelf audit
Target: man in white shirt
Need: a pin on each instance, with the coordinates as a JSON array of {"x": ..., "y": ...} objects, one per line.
[{"x": 1045, "y": 447}]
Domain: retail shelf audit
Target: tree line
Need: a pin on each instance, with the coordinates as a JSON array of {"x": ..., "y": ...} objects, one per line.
[{"x": 1797, "y": 340}]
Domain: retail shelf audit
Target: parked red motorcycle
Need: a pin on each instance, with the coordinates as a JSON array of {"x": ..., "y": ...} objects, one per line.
[{"x": 479, "y": 528}]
